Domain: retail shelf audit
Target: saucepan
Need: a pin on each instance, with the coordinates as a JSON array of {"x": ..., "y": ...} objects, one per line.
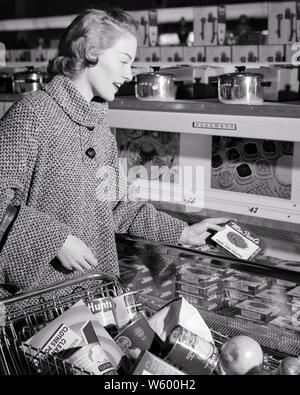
[
  {"x": 160, "y": 86},
  {"x": 241, "y": 87}
]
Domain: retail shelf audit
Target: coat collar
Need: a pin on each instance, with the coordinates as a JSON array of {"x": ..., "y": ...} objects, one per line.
[{"x": 85, "y": 113}]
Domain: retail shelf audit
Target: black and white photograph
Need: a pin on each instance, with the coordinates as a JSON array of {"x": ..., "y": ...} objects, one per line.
[{"x": 149, "y": 190}]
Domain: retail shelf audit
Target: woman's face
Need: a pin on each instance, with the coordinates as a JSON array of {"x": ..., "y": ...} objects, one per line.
[{"x": 113, "y": 68}]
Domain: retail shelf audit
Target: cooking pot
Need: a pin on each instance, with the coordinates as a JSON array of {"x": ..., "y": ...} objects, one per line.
[
  {"x": 6, "y": 83},
  {"x": 156, "y": 85},
  {"x": 241, "y": 87},
  {"x": 28, "y": 81}
]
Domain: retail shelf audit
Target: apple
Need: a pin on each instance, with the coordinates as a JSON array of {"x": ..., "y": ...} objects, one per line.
[
  {"x": 289, "y": 366},
  {"x": 241, "y": 355}
]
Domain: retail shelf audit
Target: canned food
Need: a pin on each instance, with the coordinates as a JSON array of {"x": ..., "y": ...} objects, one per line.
[
  {"x": 127, "y": 307},
  {"x": 103, "y": 311},
  {"x": 191, "y": 353}
]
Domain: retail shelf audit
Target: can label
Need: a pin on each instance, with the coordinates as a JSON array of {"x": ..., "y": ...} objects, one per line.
[
  {"x": 127, "y": 307},
  {"x": 191, "y": 353},
  {"x": 103, "y": 311}
]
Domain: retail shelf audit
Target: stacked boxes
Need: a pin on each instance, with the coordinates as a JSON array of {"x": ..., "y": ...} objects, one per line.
[{"x": 200, "y": 286}]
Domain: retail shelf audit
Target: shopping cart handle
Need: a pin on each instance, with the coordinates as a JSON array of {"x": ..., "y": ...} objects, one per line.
[{"x": 54, "y": 287}]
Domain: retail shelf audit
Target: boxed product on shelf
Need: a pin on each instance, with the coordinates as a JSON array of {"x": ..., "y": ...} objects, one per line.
[
  {"x": 283, "y": 284},
  {"x": 208, "y": 292},
  {"x": 246, "y": 283},
  {"x": 278, "y": 296},
  {"x": 258, "y": 310},
  {"x": 198, "y": 275},
  {"x": 285, "y": 322},
  {"x": 233, "y": 297},
  {"x": 209, "y": 304}
]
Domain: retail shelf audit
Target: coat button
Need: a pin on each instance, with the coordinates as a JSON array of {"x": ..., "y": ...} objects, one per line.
[
  {"x": 91, "y": 128},
  {"x": 91, "y": 153}
]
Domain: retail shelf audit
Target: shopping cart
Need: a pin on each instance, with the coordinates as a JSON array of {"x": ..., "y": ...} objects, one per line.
[{"x": 24, "y": 314}]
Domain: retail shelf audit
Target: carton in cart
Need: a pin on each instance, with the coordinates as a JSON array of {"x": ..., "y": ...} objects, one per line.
[{"x": 149, "y": 364}]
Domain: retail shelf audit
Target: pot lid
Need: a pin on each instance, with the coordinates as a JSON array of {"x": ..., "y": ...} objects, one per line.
[
  {"x": 157, "y": 73},
  {"x": 242, "y": 73},
  {"x": 30, "y": 73}
]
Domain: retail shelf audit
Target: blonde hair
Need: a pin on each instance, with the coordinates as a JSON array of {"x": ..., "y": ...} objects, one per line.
[{"x": 90, "y": 33}]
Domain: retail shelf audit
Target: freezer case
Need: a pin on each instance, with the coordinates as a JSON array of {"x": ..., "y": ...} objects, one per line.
[{"x": 260, "y": 298}]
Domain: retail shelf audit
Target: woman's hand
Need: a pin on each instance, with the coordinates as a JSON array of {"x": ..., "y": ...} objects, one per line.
[
  {"x": 197, "y": 234},
  {"x": 76, "y": 255}
]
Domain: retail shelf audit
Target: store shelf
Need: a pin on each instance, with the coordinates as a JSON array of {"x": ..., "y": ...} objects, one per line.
[{"x": 277, "y": 121}]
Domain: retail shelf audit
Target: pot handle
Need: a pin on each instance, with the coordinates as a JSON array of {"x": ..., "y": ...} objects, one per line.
[
  {"x": 155, "y": 68},
  {"x": 213, "y": 81},
  {"x": 265, "y": 83},
  {"x": 240, "y": 69}
]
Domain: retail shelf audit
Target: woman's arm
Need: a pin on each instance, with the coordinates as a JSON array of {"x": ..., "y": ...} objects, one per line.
[{"x": 36, "y": 237}]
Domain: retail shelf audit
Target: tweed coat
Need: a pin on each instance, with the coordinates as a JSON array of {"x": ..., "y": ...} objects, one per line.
[{"x": 52, "y": 145}]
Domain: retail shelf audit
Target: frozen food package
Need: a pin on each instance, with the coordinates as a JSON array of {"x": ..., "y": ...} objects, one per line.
[{"x": 238, "y": 241}]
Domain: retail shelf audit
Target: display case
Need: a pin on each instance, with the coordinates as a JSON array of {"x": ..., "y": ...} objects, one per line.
[
  {"x": 258, "y": 298},
  {"x": 234, "y": 297}
]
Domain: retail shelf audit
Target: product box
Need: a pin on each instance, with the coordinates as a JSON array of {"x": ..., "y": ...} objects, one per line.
[
  {"x": 172, "y": 54},
  {"x": 194, "y": 54},
  {"x": 286, "y": 323},
  {"x": 208, "y": 304},
  {"x": 244, "y": 53},
  {"x": 233, "y": 297},
  {"x": 152, "y": 54},
  {"x": 285, "y": 84},
  {"x": 279, "y": 297},
  {"x": 243, "y": 282},
  {"x": 197, "y": 275},
  {"x": 207, "y": 292},
  {"x": 238, "y": 241},
  {"x": 218, "y": 54},
  {"x": 258, "y": 310},
  {"x": 149, "y": 364},
  {"x": 282, "y": 22},
  {"x": 142, "y": 20},
  {"x": 271, "y": 53},
  {"x": 206, "y": 25}
]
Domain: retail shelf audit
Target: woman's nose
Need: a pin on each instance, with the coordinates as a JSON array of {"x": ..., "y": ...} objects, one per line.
[{"x": 128, "y": 74}]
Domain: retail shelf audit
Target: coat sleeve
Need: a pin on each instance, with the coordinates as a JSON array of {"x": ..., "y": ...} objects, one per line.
[
  {"x": 35, "y": 237},
  {"x": 141, "y": 218}
]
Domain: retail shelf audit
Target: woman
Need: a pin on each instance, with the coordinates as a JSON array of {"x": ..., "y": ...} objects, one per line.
[{"x": 53, "y": 145}]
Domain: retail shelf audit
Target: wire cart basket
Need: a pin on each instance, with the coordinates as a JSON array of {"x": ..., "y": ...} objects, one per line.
[{"x": 24, "y": 314}]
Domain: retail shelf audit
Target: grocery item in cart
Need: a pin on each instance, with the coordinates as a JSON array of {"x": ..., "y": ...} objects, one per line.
[
  {"x": 150, "y": 364},
  {"x": 179, "y": 312},
  {"x": 127, "y": 307},
  {"x": 103, "y": 311},
  {"x": 76, "y": 327},
  {"x": 92, "y": 358},
  {"x": 190, "y": 352},
  {"x": 138, "y": 336}
]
